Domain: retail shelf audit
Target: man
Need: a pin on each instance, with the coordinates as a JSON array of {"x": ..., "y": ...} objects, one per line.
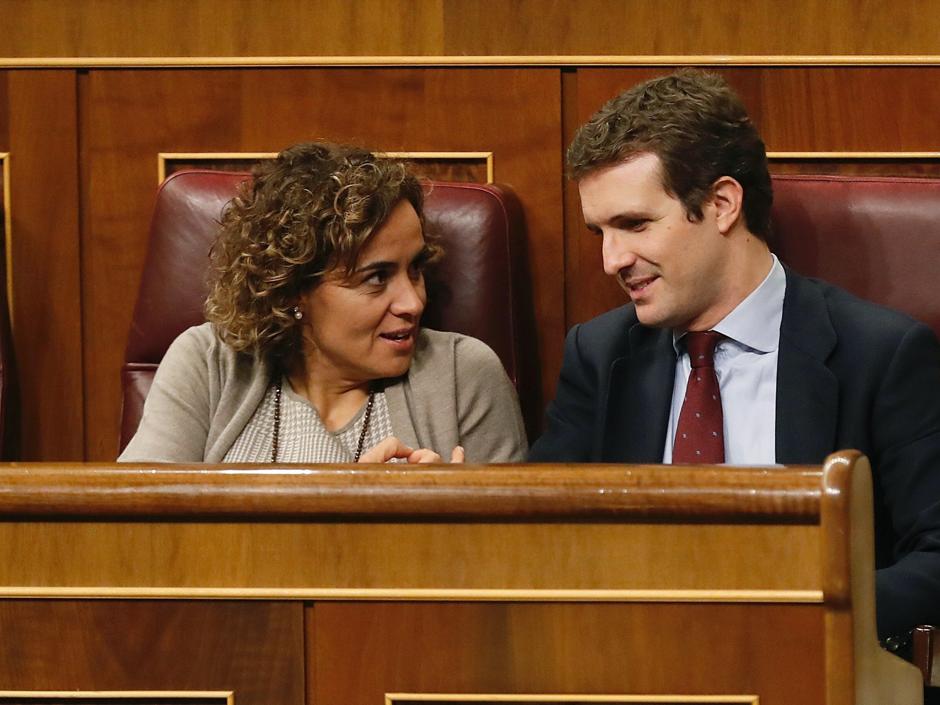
[{"x": 673, "y": 178}]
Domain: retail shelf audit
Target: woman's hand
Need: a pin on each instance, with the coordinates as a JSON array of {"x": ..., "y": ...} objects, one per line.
[{"x": 391, "y": 447}]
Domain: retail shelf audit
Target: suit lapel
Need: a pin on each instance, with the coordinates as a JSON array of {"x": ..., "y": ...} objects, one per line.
[
  {"x": 639, "y": 396},
  {"x": 807, "y": 391}
]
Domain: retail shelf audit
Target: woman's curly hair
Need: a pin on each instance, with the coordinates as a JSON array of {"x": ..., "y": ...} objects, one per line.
[{"x": 307, "y": 212}]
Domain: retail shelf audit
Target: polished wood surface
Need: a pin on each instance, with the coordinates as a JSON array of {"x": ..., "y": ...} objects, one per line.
[
  {"x": 255, "y": 649},
  {"x": 764, "y": 573},
  {"x": 466, "y": 27},
  {"x": 515, "y": 116},
  {"x": 42, "y": 118},
  {"x": 649, "y": 492},
  {"x": 517, "y": 528},
  {"x": 531, "y": 648}
]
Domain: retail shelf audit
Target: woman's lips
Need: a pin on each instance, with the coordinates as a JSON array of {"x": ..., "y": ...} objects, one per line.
[{"x": 402, "y": 339}]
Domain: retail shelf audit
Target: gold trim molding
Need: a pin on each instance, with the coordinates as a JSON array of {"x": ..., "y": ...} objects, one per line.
[
  {"x": 852, "y": 156},
  {"x": 7, "y": 231},
  {"x": 394, "y": 698},
  {"x": 164, "y": 157},
  {"x": 421, "y": 594},
  {"x": 757, "y": 60},
  {"x": 119, "y": 695}
]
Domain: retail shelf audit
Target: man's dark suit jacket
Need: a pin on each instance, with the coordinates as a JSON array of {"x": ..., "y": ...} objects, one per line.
[{"x": 850, "y": 374}]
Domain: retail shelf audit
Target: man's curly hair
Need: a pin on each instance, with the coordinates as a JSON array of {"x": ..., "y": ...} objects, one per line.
[
  {"x": 306, "y": 213},
  {"x": 697, "y": 126}
]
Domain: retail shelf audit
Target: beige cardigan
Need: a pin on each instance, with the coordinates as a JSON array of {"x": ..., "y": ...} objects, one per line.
[{"x": 456, "y": 393}]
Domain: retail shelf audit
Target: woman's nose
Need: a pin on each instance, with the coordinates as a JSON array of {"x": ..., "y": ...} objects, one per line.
[{"x": 410, "y": 297}]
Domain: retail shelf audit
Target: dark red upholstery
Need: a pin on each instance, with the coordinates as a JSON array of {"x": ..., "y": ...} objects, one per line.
[
  {"x": 878, "y": 237},
  {"x": 480, "y": 288}
]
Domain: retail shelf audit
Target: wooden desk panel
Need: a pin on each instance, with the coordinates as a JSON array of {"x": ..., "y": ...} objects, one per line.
[
  {"x": 362, "y": 651},
  {"x": 255, "y": 649},
  {"x": 314, "y": 558},
  {"x": 726, "y": 585}
]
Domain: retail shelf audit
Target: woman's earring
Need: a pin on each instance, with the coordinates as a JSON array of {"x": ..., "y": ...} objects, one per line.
[{"x": 298, "y": 314}]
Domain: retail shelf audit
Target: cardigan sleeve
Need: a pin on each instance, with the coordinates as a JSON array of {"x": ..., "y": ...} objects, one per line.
[
  {"x": 175, "y": 422},
  {"x": 489, "y": 421}
]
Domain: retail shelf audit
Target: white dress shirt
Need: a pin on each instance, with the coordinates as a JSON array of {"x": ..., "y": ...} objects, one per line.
[{"x": 746, "y": 366}]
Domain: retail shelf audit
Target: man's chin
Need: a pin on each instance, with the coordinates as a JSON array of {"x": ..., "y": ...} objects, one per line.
[{"x": 650, "y": 317}]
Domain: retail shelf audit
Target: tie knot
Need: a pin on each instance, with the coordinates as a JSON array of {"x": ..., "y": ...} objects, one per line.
[{"x": 701, "y": 347}]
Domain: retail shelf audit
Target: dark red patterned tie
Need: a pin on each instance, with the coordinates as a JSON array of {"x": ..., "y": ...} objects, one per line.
[{"x": 699, "y": 437}]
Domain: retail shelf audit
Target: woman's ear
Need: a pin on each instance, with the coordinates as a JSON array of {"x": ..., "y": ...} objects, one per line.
[{"x": 728, "y": 199}]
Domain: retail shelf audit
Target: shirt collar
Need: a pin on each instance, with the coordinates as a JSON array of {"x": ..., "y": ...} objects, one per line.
[{"x": 755, "y": 322}]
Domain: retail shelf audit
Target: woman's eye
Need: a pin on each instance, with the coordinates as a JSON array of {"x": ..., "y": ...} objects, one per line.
[{"x": 376, "y": 278}]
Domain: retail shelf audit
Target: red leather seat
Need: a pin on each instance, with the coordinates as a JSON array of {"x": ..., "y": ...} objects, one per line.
[
  {"x": 480, "y": 287},
  {"x": 878, "y": 237}
]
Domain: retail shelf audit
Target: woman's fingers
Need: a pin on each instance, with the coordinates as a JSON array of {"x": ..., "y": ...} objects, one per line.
[
  {"x": 386, "y": 449},
  {"x": 424, "y": 455},
  {"x": 391, "y": 447}
]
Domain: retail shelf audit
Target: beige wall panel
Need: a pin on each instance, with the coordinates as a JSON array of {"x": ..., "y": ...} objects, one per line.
[
  {"x": 363, "y": 651},
  {"x": 41, "y": 115},
  {"x": 453, "y": 27},
  {"x": 867, "y": 109},
  {"x": 131, "y": 116}
]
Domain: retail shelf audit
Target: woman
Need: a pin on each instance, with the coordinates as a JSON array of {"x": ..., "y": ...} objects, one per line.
[{"x": 313, "y": 350}]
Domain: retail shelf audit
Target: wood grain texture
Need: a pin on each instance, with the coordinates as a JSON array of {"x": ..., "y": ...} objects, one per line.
[
  {"x": 796, "y": 110},
  {"x": 466, "y": 27},
  {"x": 476, "y": 493},
  {"x": 263, "y": 555},
  {"x": 366, "y": 650},
  {"x": 4, "y": 111},
  {"x": 42, "y": 121},
  {"x": 130, "y": 116},
  {"x": 857, "y": 670},
  {"x": 253, "y": 648}
]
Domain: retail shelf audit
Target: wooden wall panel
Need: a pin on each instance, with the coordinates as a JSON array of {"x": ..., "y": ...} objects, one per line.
[
  {"x": 129, "y": 116},
  {"x": 42, "y": 125},
  {"x": 255, "y": 649},
  {"x": 4, "y": 111},
  {"x": 796, "y": 109},
  {"x": 64, "y": 283},
  {"x": 105, "y": 28},
  {"x": 362, "y": 651}
]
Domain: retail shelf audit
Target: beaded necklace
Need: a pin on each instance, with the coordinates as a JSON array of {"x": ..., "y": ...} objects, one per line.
[{"x": 277, "y": 424}]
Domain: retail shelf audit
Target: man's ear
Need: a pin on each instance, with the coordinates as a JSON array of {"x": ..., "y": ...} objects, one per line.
[{"x": 728, "y": 199}]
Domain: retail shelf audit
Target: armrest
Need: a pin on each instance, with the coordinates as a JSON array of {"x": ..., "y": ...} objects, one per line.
[{"x": 925, "y": 655}]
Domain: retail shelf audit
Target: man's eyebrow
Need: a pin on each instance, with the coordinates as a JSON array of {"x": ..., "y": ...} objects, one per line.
[
  {"x": 629, "y": 215},
  {"x": 623, "y": 216}
]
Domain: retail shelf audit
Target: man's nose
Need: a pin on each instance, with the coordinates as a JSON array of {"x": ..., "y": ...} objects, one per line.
[{"x": 616, "y": 254}]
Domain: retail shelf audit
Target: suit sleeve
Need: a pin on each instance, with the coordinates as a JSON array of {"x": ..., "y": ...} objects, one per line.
[
  {"x": 571, "y": 416},
  {"x": 906, "y": 441}
]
